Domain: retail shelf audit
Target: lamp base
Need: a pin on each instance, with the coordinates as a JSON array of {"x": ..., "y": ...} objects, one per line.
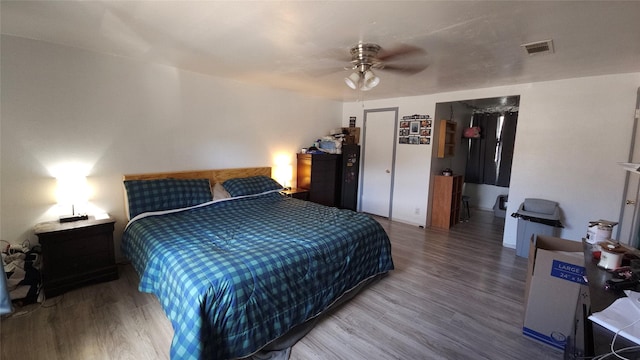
[{"x": 71, "y": 218}]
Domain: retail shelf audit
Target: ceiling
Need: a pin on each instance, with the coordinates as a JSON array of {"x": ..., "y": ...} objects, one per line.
[{"x": 303, "y": 46}]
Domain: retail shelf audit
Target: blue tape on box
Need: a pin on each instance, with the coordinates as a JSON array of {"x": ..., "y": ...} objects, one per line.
[
  {"x": 555, "y": 339},
  {"x": 568, "y": 271}
]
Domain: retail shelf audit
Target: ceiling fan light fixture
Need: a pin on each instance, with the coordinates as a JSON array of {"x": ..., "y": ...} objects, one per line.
[
  {"x": 353, "y": 80},
  {"x": 370, "y": 80}
]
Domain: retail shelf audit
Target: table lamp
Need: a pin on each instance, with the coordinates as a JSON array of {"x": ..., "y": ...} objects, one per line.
[{"x": 73, "y": 192}]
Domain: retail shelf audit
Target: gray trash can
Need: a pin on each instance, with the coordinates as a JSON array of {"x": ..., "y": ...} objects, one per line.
[{"x": 536, "y": 217}]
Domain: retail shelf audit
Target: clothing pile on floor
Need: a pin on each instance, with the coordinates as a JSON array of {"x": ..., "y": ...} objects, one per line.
[{"x": 22, "y": 268}]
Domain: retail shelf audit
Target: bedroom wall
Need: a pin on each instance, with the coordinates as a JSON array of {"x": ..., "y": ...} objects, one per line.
[
  {"x": 571, "y": 134},
  {"x": 110, "y": 116}
]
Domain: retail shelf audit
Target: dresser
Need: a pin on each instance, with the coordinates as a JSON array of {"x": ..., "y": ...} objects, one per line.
[
  {"x": 320, "y": 174},
  {"x": 447, "y": 199},
  {"x": 76, "y": 253}
]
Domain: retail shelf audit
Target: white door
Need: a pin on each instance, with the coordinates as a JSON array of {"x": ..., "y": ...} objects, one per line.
[
  {"x": 378, "y": 148},
  {"x": 630, "y": 221}
]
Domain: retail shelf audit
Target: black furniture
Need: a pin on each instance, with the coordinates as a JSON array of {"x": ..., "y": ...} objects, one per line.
[
  {"x": 350, "y": 177},
  {"x": 331, "y": 179},
  {"x": 76, "y": 253},
  {"x": 590, "y": 339},
  {"x": 296, "y": 193}
]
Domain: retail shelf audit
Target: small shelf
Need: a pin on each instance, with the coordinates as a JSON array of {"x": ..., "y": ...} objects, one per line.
[
  {"x": 447, "y": 198},
  {"x": 447, "y": 138}
]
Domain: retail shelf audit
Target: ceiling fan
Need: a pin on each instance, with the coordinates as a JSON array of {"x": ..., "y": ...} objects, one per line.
[{"x": 365, "y": 57}]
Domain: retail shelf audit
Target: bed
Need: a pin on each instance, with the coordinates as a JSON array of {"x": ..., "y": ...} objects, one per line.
[{"x": 248, "y": 270}]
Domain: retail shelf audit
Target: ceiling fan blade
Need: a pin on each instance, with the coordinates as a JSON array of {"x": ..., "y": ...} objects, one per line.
[
  {"x": 328, "y": 71},
  {"x": 399, "y": 51},
  {"x": 405, "y": 69}
]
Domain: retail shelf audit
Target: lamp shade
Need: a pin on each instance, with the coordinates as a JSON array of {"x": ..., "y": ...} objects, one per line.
[
  {"x": 73, "y": 192},
  {"x": 283, "y": 174},
  {"x": 370, "y": 81},
  {"x": 353, "y": 80}
]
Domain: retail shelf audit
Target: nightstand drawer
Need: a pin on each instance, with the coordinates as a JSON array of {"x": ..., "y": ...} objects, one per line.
[
  {"x": 80, "y": 247},
  {"x": 73, "y": 265}
]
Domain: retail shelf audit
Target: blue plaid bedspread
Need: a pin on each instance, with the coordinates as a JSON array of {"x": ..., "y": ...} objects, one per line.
[{"x": 234, "y": 275}]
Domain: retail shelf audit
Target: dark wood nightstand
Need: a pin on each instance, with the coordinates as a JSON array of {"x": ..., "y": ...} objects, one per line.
[
  {"x": 76, "y": 253},
  {"x": 302, "y": 194}
]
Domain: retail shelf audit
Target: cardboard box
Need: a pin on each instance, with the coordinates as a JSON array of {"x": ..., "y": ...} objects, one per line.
[
  {"x": 555, "y": 276},
  {"x": 352, "y": 135}
]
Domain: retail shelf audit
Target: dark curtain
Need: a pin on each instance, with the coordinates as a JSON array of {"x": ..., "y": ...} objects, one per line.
[
  {"x": 489, "y": 159},
  {"x": 507, "y": 144}
]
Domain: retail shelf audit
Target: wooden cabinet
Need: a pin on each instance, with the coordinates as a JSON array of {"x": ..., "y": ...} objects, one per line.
[
  {"x": 76, "y": 253},
  {"x": 320, "y": 174},
  {"x": 447, "y": 138},
  {"x": 447, "y": 198}
]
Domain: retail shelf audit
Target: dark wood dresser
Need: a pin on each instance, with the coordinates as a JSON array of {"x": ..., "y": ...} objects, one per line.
[
  {"x": 331, "y": 179},
  {"x": 320, "y": 174},
  {"x": 76, "y": 253}
]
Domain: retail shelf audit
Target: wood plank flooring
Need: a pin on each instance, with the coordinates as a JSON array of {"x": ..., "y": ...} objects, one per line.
[{"x": 455, "y": 294}]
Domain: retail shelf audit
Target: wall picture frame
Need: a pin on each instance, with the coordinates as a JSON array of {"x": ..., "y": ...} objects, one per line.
[{"x": 414, "y": 128}]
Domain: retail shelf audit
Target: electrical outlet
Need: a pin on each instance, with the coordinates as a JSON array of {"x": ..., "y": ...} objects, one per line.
[{"x": 417, "y": 211}]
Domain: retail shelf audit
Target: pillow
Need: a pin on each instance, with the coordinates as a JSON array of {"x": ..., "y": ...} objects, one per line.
[
  {"x": 219, "y": 192},
  {"x": 165, "y": 194},
  {"x": 250, "y": 185}
]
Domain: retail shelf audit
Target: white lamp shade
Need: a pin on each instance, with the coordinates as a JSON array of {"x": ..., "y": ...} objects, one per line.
[
  {"x": 370, "y": 81},
  {"x": 73, "y": 191},
  {"x": 353, "y": 80},
  {"x": 284, "y": 174}
]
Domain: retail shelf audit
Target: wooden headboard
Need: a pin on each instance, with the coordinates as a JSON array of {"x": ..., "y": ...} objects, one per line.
[{"x": 214, "y": 176}]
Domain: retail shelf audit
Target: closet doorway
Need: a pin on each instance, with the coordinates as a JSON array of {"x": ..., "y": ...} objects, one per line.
[{"x": 485, "y": 161}]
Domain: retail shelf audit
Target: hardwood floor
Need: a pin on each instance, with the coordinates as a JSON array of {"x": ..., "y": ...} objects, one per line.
[{"x": 455, "y": 294}]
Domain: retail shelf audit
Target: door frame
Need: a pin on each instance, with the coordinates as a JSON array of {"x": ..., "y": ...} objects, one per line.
[
  {"x": 393, "y": 155},
  {"x": 631, "y": 191}
]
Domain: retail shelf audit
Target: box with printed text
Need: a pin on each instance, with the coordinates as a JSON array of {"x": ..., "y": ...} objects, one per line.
[{"x": 554, "y": 276}]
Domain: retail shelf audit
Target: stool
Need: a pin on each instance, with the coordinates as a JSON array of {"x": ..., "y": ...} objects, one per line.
[{"x": 465, "y": 207}]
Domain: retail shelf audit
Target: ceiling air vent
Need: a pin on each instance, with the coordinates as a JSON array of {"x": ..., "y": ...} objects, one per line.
[{"x": 539, "y": 47}]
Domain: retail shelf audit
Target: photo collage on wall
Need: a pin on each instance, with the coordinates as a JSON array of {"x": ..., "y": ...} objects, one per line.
[{"x": 415, "y": 130}]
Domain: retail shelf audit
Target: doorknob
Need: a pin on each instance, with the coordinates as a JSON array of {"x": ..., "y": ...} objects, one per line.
[
  {"x": 388, "y": 171},
  {"x": 630, "y": 202}
]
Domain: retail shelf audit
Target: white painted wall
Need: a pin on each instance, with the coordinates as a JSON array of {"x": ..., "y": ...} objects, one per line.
[
  {"x": 571, "y": 133},
  {"x": 115, "y": 116}
]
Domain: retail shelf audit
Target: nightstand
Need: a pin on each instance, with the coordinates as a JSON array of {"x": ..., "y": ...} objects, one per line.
[
  {"x": 76, "y": 253},
  {"x": 302, "y": 194}
]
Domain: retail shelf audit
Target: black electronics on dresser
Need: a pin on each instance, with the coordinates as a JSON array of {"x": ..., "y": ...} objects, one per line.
[{"x": 332, "y": 179}]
